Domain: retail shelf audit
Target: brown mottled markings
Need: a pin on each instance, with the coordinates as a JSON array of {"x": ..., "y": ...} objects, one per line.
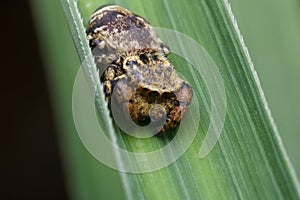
[{"x": 135, "y": 67}]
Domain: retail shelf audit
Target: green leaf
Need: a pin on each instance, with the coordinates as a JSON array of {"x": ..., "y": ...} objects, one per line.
[{"x": 249, "y": 161}]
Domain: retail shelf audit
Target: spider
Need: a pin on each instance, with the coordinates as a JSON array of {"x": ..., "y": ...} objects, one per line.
[{"x": 133, "y": 64}]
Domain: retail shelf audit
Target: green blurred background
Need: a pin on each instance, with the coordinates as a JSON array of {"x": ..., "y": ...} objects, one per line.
[{"x": 271, "y": 30}]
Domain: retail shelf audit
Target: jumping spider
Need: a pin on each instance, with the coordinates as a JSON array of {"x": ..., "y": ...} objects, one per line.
[{"x": 132, "y": 63}]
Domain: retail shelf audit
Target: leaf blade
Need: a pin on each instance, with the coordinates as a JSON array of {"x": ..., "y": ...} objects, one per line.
[{"x": 225, "y": 45}]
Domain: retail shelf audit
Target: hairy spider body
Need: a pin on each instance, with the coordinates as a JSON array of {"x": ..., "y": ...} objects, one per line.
[{"x": 132, "y": 64}]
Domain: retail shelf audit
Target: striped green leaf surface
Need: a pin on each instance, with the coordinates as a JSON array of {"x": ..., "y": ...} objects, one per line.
[{"x": 248, "y": 161}]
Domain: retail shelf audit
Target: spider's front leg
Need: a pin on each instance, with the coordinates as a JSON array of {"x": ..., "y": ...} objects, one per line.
[
  {"x": 177, "y": 111},
  {"x": 125, "y": 99},
  {"x": 109, "y": 78}
]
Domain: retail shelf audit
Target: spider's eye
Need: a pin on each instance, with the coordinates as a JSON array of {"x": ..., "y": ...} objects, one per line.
[
  {"x": 155, "y": 57},
  {"x": 144, "y": 58},
  {"x": 131, "y": 62}
]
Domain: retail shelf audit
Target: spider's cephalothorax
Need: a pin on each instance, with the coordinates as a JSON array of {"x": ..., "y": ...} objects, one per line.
[{"x": 133, "y": 66}]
